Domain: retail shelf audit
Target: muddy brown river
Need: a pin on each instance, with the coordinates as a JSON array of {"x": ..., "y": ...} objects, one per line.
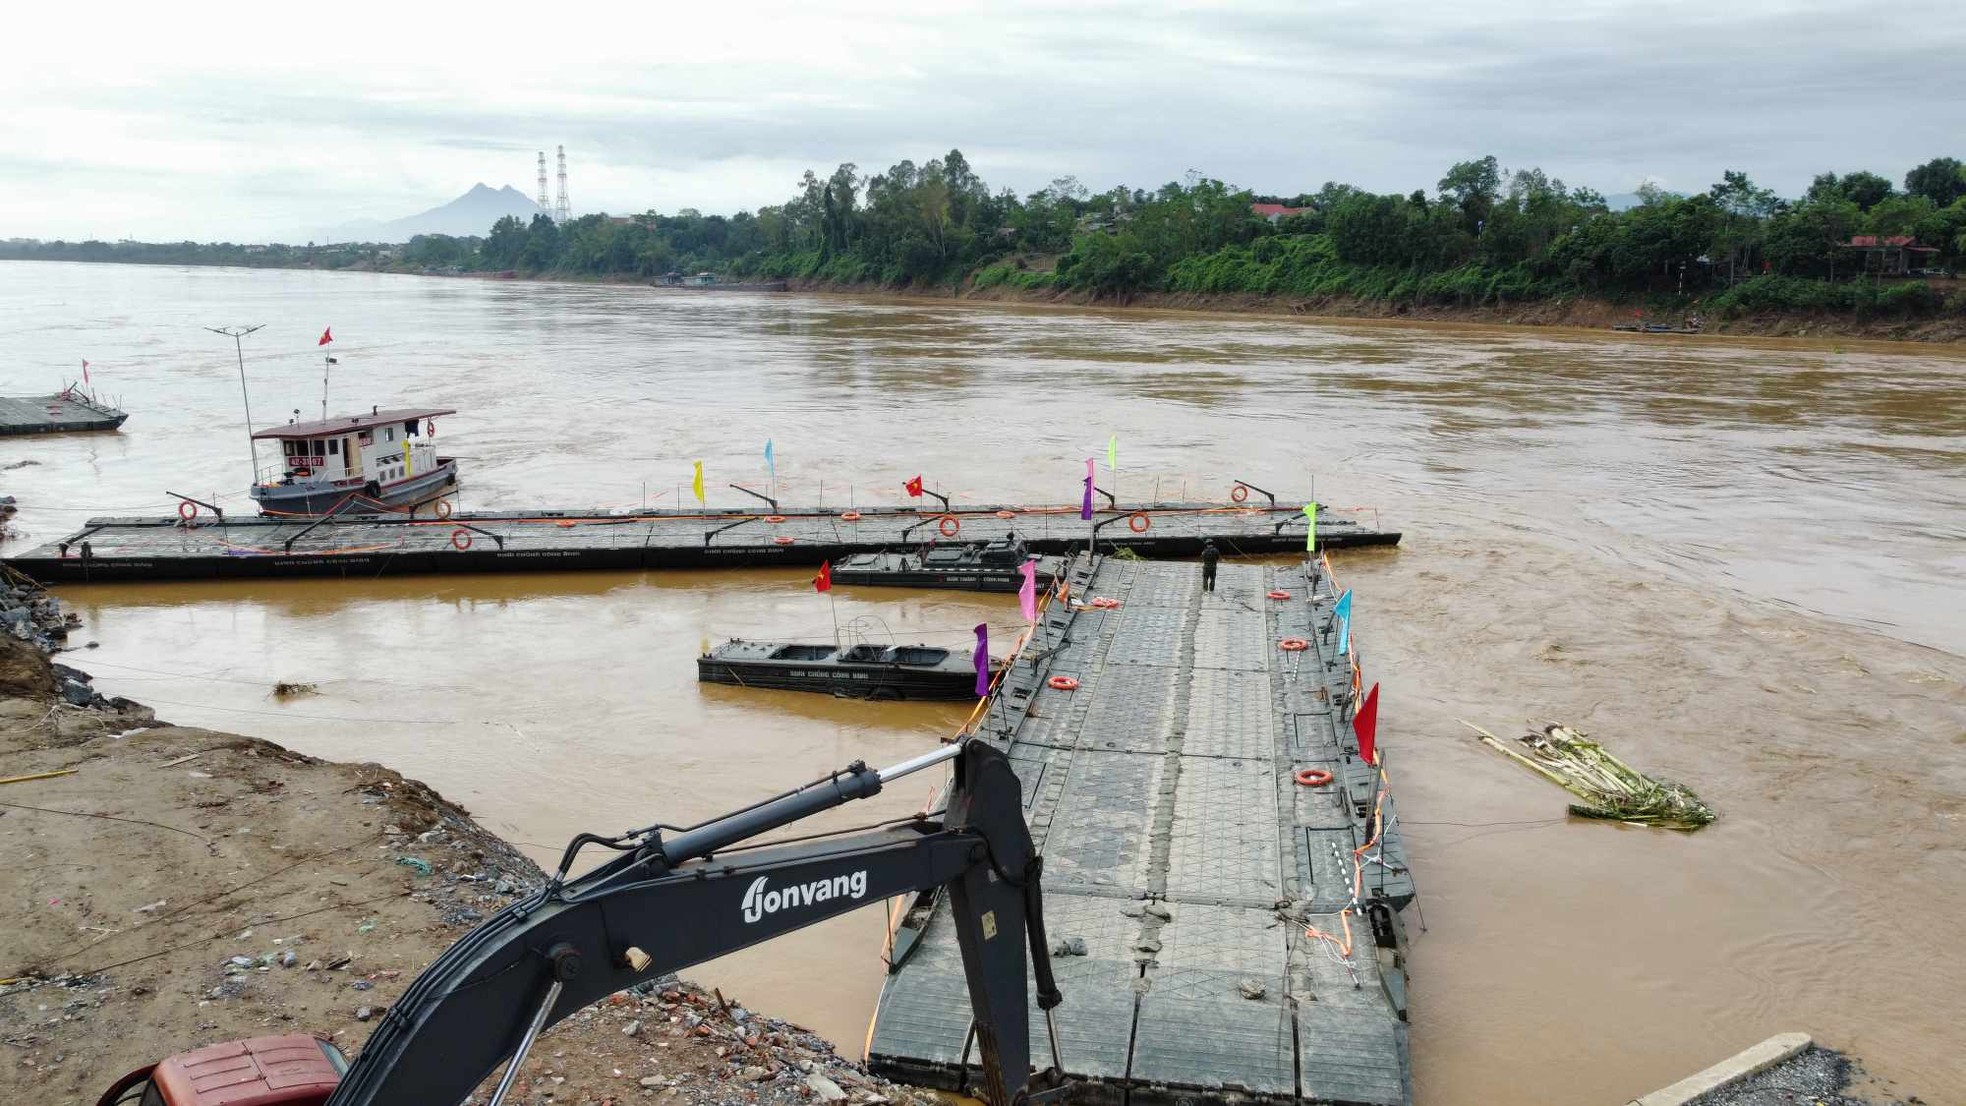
[{"x": 1737, "y": 563}]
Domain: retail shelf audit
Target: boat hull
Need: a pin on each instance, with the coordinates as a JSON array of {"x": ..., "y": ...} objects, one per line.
[
  {"x": 881, "y": 682},
  {"x": 324, "y": 498}
]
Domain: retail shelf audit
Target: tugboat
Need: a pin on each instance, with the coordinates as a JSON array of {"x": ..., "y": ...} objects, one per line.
[
  {"x": 355, "y": 463},
  {"x": 864, "y": 671},
  {"x": 988, "y": 566}
]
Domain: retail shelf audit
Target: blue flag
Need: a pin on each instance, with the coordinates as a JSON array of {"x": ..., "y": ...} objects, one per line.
[
  {"x": 769, "y": 462},
  {"x": 1342, "y": 611},
  {"x": 982, "y": 660}
]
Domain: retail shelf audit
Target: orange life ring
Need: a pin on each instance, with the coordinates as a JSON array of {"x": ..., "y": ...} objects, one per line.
[
  {"x": 430, "y": 428},
  {"x": 187, "y": 510},
  {"x": 950, "y": 526},
  {"x": 1138, "y": 522},
  {"x": 443, "y": 508},
  {"x": 1312, "y": 777},
  {"x": 1105, "y": 604},
  {"x": 1279, "y": 594},
  {"x": 851, "y": 516},
  {"x": 566, "y": 524},
  {"x": 774, "y": 518},
  {"x": 1062, "y": 683},
  {"x": 1239, "y": 493},
  {"x": 1006, "y": 514},
  {"x": 461, "y": 538},
  {"x": 1293, "y": 645},
  {"x": 782, "y": 540}
]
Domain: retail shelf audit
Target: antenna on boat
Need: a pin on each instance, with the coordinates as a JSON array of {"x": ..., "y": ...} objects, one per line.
[{"x": 237, "y": 333}]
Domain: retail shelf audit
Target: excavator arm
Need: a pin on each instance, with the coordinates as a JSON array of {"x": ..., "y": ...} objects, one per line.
[{"x": 664, "y": 905}]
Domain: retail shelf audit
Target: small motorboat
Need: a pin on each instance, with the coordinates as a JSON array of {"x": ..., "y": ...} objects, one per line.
[
  {"x": 864, "y": 671},
  {"x": 355, "y": 464},
  {"x": 978, "y": 566}
]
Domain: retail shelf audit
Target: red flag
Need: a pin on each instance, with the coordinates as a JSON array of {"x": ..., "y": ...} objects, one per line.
[
  {"x": 1366, "y": 724},
  {"x": 326, "y": 337},
  {"x": 823, "y": 581},
  {"x": 915, "y": 487}
]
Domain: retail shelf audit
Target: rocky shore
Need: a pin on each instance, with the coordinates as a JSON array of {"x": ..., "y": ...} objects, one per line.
[{"x": 170, "y": 887}]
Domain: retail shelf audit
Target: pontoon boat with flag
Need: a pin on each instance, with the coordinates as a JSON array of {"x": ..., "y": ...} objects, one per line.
[
  {"x": 355, "y": 463},
  {"x": 984, "y": 566}
]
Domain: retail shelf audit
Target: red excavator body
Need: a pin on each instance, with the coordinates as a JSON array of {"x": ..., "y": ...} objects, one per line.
[{"x": 294, "y": 1070}]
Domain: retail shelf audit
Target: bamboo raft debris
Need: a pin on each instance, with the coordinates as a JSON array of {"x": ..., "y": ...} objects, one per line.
[{"x": 1612, "y": 790}]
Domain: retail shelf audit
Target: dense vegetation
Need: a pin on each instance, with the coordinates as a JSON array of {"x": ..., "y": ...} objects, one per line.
[{"x": 1480, "y": 236}]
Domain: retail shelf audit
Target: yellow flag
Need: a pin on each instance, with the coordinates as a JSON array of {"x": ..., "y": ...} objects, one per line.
[
  {"x": 1310, "y": 532},
  {"x": 696, "y": 485}
]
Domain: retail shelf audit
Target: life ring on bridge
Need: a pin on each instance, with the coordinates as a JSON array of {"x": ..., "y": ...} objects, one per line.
[
  {"x": 782, "y": 540},
  {"x": 1312, "y": 777},
  {"x": 1279, "y": 594},
  {"x": 1138, "y": 522},
  {"x": 1239, "y": 493},
  {"x": 851, "y": 516},
  {"x": 1293, "y": 645},
  {"x": 443, "y": 508},
  {"x": 1062, "y": 683},
  {"x": 430, "y": 428},
  {"x": 1104, "y": 603},
  {"x": 950, "y": 526},
  {"x": 774, "y": 518},
  {"x": 187, "y": 510},
  {"x": 1006, "y": 514},
  {"x": 461, "y": 538}
]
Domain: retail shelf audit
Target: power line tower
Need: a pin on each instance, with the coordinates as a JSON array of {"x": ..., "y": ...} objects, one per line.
[
  {"x": 561, "y": 211},
  {"x": 544, "y": 208}
]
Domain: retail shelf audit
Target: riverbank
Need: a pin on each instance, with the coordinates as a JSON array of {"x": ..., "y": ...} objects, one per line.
[
  {"x": 1579, "y": 312},
  {"x": 171, "y": 887}
]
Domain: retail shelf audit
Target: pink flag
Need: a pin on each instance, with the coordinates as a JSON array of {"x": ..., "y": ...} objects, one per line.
[
  {"x": 982, "y": 660},
  {"x": 1027, "y": 592},
  {"x": 85, "y": 370},
  {"x": 1085, "y": 508}
]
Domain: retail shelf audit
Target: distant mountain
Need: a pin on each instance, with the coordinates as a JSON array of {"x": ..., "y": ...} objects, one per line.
[{"x": 470, "y": 214}]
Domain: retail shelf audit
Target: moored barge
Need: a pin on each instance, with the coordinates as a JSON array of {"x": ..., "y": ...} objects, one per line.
[{"x": 863, "y": 671}]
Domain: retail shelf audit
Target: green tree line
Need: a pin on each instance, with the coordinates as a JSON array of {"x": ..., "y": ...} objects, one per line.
[{"x": 1480, "y": 235}]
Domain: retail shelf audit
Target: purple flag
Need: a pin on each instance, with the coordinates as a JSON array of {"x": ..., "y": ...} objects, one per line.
[
  {"x": 1027, "y": 592},
  {"x": 1085, "y": 508},
  {"x": 982, "y": 660}
]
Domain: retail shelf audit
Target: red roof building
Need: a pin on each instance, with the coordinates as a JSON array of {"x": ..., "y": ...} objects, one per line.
[
  {"x": 1888, "y": 255},
  {"x": 1274, "y": 212}
]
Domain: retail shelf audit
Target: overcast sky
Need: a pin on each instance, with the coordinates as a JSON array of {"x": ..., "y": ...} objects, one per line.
[{"x": 167, "y": 121}]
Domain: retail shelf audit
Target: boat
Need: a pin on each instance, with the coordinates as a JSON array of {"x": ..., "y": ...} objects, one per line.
[
  {"x": 72, "y": 408},
  {"x": 1693, "y": 324},
  {"x": 863, "y": 671},
  {"x": 355, "y": 463},
  {"x": 977, "y": 566}
]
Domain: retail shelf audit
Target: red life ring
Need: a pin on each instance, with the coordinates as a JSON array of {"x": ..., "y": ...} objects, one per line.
[
  {"x": 1138, "y": 522},
  {"x": 1006, "y": 514},
  {"x": 774, "y": 518},
  {"x": 1279, "y": 594},
  {"x": 461, "y": 538},
  {"x": 1312, "y": 777},
  {"x": 782, "y": 540},
  {"x": 187, "y": 510},
  {"x": 851, "y": 516},
  {"x": 443, "y": 508},
  {"x": 430, "y": 428},
  {"x": 950, "y": 526},
  {"x": 1293, "y": 645},
  {"x": 1105, "y": 604},
  {"x": 1239, "y": 493},
  {"x": 1062, "y": 683}
]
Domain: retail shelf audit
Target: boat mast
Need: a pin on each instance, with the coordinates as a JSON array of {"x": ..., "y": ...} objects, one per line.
[{"x": 236, "y": 333}]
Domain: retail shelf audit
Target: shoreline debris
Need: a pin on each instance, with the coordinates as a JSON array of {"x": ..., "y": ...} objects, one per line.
[{"x": 1611, "y": 789}]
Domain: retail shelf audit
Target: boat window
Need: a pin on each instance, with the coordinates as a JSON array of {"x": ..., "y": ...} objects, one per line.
[
  {"x": 409, "y": 428},
  {"x": 388, "y": 433},
  {"x": 801, "y": 653},
  {"x": 919, "y": 654},
  {"x": 334, "y": 447}
]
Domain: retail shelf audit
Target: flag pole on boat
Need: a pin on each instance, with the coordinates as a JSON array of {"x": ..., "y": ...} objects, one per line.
[
  {"x": 237, "y": 333},
  {"x": 327, "y": 338}
]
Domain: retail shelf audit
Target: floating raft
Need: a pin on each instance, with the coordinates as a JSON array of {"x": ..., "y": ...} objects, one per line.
[
  {"x": 1180, "y": 850},
  {"x": 208, "y": 547},
  {"x": 56, "y": 414}
]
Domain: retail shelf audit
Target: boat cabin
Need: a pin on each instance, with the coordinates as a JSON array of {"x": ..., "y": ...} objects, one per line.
[{"x": 381, "y": 446}]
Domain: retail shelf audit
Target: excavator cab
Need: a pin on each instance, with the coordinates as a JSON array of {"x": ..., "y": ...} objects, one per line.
[{"x": 291, "y": 1070}]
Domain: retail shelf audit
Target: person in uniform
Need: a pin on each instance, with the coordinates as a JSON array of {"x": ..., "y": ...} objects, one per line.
[{"x": 1209, "y": 556}]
